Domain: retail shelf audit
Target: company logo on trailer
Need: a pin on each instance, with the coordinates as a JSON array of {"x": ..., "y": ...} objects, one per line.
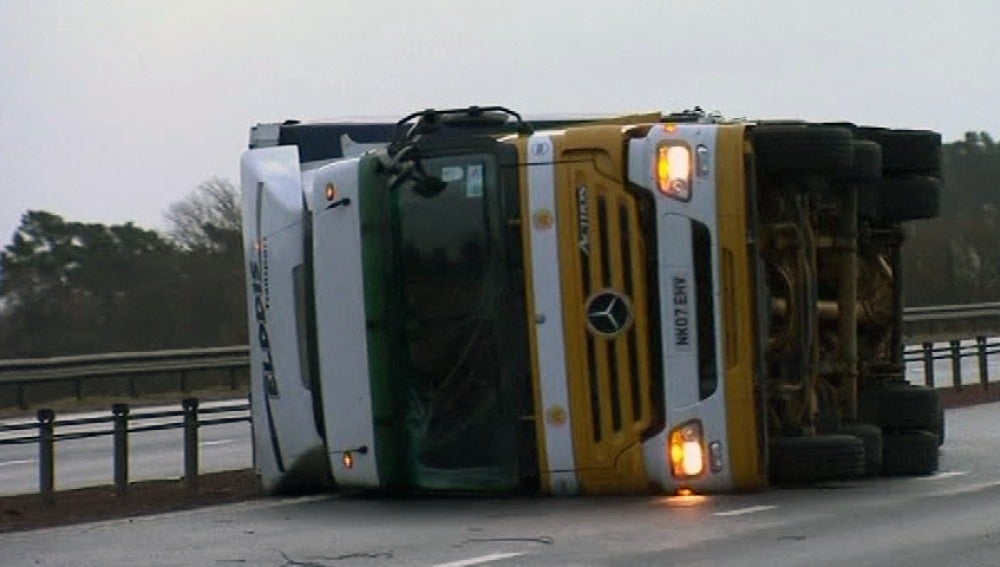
[
  {"x": 609, "y": 313},
  {"x": 258, "y": 276}
]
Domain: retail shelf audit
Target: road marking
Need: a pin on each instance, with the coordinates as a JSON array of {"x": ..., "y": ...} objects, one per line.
[
  {"x": 966, "y": 489},
  {"x": 941, "y": 475},
  {"x": 479, "y": 560},
  {"x": 23, "y": 462},
  {"x": 219, "y": 442},
  {"x": 742, "y": 511}
]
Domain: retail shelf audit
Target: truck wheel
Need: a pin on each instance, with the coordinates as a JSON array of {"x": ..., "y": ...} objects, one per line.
[
  {"x": 899, "y": 405},
  {"x": 908, "y": 198},
  {"x": 798, "y": 149},
  {"x": 909, "y": 453},
  {"x": 801, "y": 460},
  {"x": 871, "y": 438},
  {"x": 938, "y": 423},
  {"x": 867, "y": 163},
  {"x": 907, "y": 151},
  {"x": 866, "y": 171}
]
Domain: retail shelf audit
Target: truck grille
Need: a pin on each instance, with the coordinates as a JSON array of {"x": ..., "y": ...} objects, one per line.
[{"x": 614, "y": 369}]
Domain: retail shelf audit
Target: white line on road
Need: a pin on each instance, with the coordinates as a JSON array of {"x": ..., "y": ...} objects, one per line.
[
  {"x": 742, "y": 511},
  {"x": 966, "y": 489},
  {"x": 479, "y": 560},
  {"x": 219, "y": 442},
  {"x": 23, "y": 462},
  {"x": 941, "y": 475}
]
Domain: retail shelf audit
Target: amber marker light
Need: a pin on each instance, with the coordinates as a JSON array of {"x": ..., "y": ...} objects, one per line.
[
  {"x": 331, "y": 192},
  {"x": 348, "y": 460},
  {"x": 687, "y": 452},
  {"x": 673, "y": 171}
]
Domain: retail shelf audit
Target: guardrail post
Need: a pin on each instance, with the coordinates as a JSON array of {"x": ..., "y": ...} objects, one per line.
[
  {"x": 984, "y": 376},
  {"x": 22, "y": 398},
  {"x": 956, "y": 364},
  {"x": 120, "y": 412},
  {"x": 191, "y": 443},
  {"x": 929, "y": 364},
  {"x": 46, "y": 455}
]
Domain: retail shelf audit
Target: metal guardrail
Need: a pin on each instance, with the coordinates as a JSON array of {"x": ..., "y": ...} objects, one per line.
[
  {"x": 44, "y": 433},
  {"x": 949, "y": 322},
  {"x": 950, "y": 312},
  {"x": 954, "y": 351},
  {"x": 110, "y": 364},
  {"x": 22, "y": 373},
  {"x": 80, "y": 367}
]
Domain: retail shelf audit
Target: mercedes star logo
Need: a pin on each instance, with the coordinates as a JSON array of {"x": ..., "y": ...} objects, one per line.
[{"x": 609, "y": 313}]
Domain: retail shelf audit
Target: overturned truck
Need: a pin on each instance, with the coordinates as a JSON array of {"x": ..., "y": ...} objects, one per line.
[{"x": 466, "y": 300}]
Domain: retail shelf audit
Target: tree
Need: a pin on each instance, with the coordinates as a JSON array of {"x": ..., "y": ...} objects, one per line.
[
  {"x": 962, "y": 242},
  {"x": 209, "y": 219},
  {"x": 207, "y": 227},
  {"x": 71, "y": 288},
  {"x": 67, "y": 287}
]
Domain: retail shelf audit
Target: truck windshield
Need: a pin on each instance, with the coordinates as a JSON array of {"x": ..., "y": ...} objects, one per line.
[{"x": 464, "y": 317}]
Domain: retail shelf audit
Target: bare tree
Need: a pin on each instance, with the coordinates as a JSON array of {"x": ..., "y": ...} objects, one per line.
[
  {"x": 206, "y": 225},
  {"x": 207, "y": 219}
]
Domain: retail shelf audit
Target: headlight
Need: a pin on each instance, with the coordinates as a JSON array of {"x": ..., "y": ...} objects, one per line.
[
  {"x": 687, "y": 450},
  {"x": 673, "y": 171}
]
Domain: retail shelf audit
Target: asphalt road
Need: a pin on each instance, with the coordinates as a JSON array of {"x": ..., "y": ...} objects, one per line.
[
  {"x": 952, "y": 518},
  {"x": 152, "y": 455}
]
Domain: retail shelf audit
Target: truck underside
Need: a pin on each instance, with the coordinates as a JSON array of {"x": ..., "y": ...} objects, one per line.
[{"x": 829, "y": 204}]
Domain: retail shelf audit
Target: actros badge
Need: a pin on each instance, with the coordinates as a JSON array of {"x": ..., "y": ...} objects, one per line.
[{"x": 609, "y": 313}]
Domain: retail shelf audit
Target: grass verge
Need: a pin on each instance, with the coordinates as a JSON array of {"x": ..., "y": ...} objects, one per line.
[{"x": 28, "y": 511}]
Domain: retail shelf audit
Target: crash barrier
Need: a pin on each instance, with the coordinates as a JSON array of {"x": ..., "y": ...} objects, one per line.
[
  {"x": 30, "y": 382},
  {"x": 971, "y": 363},
  {"x": 960, "y": 369},
  {"x": 950, "y": 322},
  {"x": 48, "y": 430}
]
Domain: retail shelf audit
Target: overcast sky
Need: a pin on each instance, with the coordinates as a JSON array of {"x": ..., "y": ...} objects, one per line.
[{"x": 111, "y": 110}]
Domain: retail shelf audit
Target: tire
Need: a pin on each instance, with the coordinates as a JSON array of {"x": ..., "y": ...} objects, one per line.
[
  {"x": 867, "y": 163},
  {"x": 798, "y": 149},
  {"x": 871, "y": 439},
  {"x": 909, "y": 198},
  {"x": 803, "y": 460},
  {"x": 909, "y": 453},
  {"x": 868, "y": 206},
  {"x": 907, "y": 151},
  {"x": 938, "y": 424},
  {"x": 900, "y": 406}
]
